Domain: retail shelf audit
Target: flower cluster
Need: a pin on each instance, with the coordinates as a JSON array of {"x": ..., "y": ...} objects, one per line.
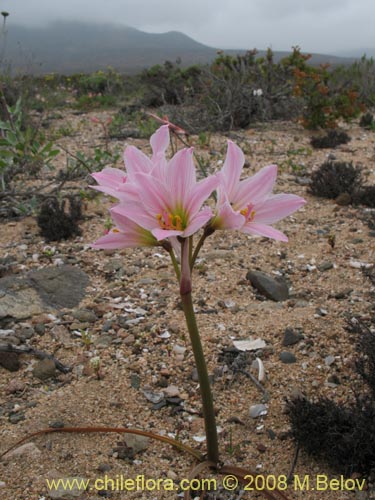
[{"x": 160, "y": 200}]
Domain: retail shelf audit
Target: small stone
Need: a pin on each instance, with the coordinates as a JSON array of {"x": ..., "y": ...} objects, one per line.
[
  {"x": 14, "y": 386},
  {"x": 15, "y": 418},
  {"x": 40, "y": 329},
  {"x": 57, "y": 424},
  {"x": 172, "y": 475},
  {"x": 9, "y": 361},
  {"x": 135, "y": 381},
  {"x": 30, "y": 449},
  {"x": 2, "y": 484},
  {"x": 343, "y": 294},
  {"x": 333, "y": 379},
  {"x": 325, "y": 266},
  {"x": 26, "y": 333},
  {"x": 137, "y": 443},
  {"x": 343, "y": 199},
  {"x": 102, "y": 341},
  {"x": 329, "y": 360},
  {"x": 258, "y": 410},
  {"x": 6, "y": 333},
  {"x": 44, "y": 369},
  {"x": 291, "y": 337},
  {"x": 194, "y": 375},
  {"x": 273, "y": 288},
  {"x": 287, "y": 357},
  {"x": 261, "y": 447},
  {"x": 171, "y": 391},
  {"x": 219, "y": 254},
  {"x": 104, "y": 468},
  {"x": 84, "y": 315}
]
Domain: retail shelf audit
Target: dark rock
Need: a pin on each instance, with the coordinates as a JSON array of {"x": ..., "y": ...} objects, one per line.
[
  {"x": 9, "y": 361},
  {"x": 291, "y": 337},
  {"x": 15, "y": 418},
  {"x": 333, "y": 379},
  {"x": 343, "y": 199},
  {"x": 44, "y": 369},
  {"x": 325, "y": 266},
  {"x": 104, "y": 467},
  {"x": 46, "y": 289},
  {"x": 287, "y": 357},
  {"x": 273, "y": 288},
  {"x": 40, "y": 329},
  {"x": 62, "y": 286},
  {"x": 135, "y": 381},
  {"x": 57, "y": 424},
  {"x": 84, "y": 315},
  {"x": 343, "y": 293},
  {"x": 26, "y": 333}
]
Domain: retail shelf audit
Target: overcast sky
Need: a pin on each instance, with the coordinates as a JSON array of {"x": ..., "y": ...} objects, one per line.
[{"x": 325, "y": 26}]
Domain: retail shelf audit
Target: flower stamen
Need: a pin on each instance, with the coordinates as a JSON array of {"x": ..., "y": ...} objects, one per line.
[
  {"x": 170, "y": 221},
  {"x": 248, "y": 212}
]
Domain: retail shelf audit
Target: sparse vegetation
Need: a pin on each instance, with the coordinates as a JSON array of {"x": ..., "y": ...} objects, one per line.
[
  {"x": 334, "y": 178},
  {"x": 343, "y": 435},
  {"x": 331, "y": 139}
]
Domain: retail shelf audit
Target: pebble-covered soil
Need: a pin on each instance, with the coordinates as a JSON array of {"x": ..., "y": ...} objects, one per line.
[{"x": 131, "y": 320}]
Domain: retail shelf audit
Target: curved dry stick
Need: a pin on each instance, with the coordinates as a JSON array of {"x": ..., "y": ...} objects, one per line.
[
  {"x": 120, "y": 430},
  {"x": 195, "y": 471}
]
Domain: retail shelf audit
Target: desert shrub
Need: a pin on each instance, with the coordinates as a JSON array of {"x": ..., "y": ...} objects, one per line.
[
  {"x": 361, "y": 74},
  {"x": 58, "y": 220},
  {"x": 334, "y": 178},
  {"x": 238, "y": 91},
  {"x": 326, "y": 98},
  {"x": 365, "y": 196},
  {"x": 331, "y": 139},
  {"x": 23, "y": 148},
  {"x": 342, "y": 435},
  {"x": 169, "y": 84},
  {"x": 367, "y": 121}
]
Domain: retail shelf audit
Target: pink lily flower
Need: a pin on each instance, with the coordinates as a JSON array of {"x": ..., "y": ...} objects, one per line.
[
  {"x": 126, "y": 234},
  {"x": 249, "y": 205},
  {"x": 116, "y": 183},
  {"x": 171, "y": 207}
]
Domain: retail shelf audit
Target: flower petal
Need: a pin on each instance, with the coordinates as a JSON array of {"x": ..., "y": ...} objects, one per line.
[
  {"x": 110, "y": 177},
  {"x": 153, "y": 194},
  {"x": 277, "y": 207},
  {"x": 264, "y": 230},
  {"x": 198, "y": 221},
  {"x": 181, "y": 177},
  {"x": 134, "y": 212},
  {"x": 136, "y": 162},
  {"x": 232, "y": 168},
  {"x": 159, "y": 142},
  {"x": 161, "y": 234},
  {"x": 227, "y": 218},
  {"x": 255, "y": 188},
  {"x": 201, "y": 192}
]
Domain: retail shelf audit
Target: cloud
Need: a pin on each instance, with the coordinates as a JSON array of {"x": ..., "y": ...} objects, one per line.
[{"x": 315, "y": 25}]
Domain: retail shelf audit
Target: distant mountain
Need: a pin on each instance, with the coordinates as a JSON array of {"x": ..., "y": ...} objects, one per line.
[
  {"x": 71, "y": 47},
  {"x": 358, "y": 53}
]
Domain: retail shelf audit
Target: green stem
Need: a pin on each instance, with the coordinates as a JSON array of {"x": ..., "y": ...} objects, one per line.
[
  {"x": 208, "y": 230},
  {"x": 200, "y": 362},
  {"x": 175, "y": 263}
]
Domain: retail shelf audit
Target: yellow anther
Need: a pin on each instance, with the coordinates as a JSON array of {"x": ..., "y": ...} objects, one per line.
[{"x": 170, "y": 221}]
